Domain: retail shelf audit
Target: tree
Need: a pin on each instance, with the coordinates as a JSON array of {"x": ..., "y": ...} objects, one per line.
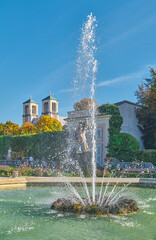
[
  {"x": 27, "y": 128},
  {"x": 120, "y": 144},
  {"x": 84, "y": 103},
  {"x": 48, "y": 124},
  {"x": 9, "y": 128},
  {"x": 115, "y": 121},
  {"x": 146, "y": 114}
]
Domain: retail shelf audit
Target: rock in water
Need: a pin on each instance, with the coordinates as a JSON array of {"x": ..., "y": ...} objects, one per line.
[{"x": 121, "y": 207}]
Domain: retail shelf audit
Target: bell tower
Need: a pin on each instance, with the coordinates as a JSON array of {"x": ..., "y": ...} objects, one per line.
[
  {"x": 50, "y": 106},
  {"x": 30, "y": 110}
]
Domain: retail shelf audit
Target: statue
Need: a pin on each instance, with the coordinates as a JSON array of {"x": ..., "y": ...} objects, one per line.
[{"x": 80, "y": 136}]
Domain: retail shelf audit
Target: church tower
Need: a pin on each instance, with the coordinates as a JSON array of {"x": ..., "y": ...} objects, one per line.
[
  {"x": 50, "y": 107},
  {"x": 30, "y": 111}
]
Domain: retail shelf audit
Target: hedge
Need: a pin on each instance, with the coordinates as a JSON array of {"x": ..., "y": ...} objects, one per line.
[
  {"x": 5, "y": 143},
  {"x": 144, "y": 155},
  {"x": 139, "y": 156},
  {"x": 48, "y": 145}
]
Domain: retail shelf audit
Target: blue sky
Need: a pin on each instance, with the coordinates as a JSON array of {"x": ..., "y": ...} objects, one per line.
[{"x": 39, "y": 42}]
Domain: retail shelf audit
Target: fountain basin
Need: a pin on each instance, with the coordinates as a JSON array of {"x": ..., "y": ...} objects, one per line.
[{"x": 28, "y": 216}]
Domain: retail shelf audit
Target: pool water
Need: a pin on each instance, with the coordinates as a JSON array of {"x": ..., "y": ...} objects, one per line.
[{"x": 26, "y": 215}]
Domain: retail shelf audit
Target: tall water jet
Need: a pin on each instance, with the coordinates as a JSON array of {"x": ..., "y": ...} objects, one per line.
[
  {"x": 79, "y": 152},
  {"x": 86, "y": 76}
]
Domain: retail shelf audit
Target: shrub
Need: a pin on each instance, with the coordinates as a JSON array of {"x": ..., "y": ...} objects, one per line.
[
  {"x": 87, "y": 172},
  {"x": 121, "y": 145}
]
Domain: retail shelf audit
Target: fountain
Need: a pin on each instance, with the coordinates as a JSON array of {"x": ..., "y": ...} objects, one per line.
[
  {"x": 102, "y": 203},
  {"x": 26, "y": 214}
]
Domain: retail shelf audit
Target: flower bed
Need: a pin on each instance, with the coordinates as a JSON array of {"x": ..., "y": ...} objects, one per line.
[
  {"x": 25, "y": 170},
  {"x": 101, "y": 172},
  {"x": 6, "y": 171}
]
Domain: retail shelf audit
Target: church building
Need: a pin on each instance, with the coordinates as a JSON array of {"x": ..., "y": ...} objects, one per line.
[
  {"x": 30, "y": 111},
  {"x": 49, "y": 108}
]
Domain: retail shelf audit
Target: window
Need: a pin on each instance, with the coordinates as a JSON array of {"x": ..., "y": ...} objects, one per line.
[
  {"x": 99, "y": 134},
  {"x": 45, "y": 107},
  {"x": 99, "y": 154},
  {"x": 26, "y": 109},
  {"x": 34, "y": 110},
  {"x": 53, "y": 107}
]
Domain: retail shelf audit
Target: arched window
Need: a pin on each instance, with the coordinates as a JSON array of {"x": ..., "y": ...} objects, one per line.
[
  {"x": 34, "y": 110},
  {"x": 26, "y": 109},
  {"x": 53, "y": 107},
  {"x": 46, "y": 107}
]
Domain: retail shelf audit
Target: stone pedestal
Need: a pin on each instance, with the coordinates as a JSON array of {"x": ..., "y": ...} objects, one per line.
[{"x": 84, "y": 159}]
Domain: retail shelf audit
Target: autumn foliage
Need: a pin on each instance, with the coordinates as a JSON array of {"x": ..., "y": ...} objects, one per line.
[
  {"x": 85, "y": 103},
  {"x": 9, "y": 128},
  {"x": 146, "y": 95},
  {"x": 48, "y": 124},
  {"x": 45, "y": 124},
  {"x": 27, "y": 128}
]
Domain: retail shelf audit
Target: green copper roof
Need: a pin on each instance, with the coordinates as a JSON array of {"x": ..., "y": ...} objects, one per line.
[
  {"x": 30, "y": 101},
  {"x": 49, "y": 98}
]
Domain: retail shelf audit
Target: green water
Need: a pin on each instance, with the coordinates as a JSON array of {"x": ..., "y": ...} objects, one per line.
[{"x": 26, "y": 215}]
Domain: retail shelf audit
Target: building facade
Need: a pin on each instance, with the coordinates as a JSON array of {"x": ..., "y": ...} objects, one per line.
[
  {"x": 130, "y": 125},
  {"x": 49, "y": 108},
  {"x": 76, "y": 117},
  {"x": 130, "y": 122}
]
